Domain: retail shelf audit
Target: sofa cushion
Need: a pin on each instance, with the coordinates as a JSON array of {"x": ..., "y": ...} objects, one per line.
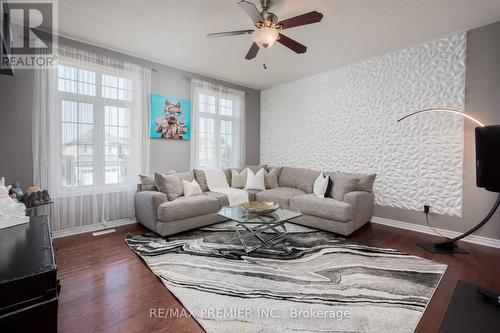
[
  {"x": 252, "y": 194},
  {"x": 280, "y": 195},
  {"x": 223, "y": 199},
  {"x": 325, "y": 208},
  {"x": 302, "y": 179},
  {"x": 366, "y": 181},
  {"x": 185, "y": 207},
  {"x": 343, "y": 184}
]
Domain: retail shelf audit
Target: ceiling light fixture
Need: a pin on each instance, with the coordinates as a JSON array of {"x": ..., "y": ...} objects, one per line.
[{"x": 265, "y": 36}]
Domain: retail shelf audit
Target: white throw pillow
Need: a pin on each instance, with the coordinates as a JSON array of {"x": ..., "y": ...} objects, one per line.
[
  {"x": 255, "y": 181},
  {"x": 320, "y": 185},
  {"x": 191, "y": 188}
]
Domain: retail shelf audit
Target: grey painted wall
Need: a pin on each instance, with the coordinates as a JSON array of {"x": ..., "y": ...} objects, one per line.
[
  {"x": 16, "y": 161},
  {"x": 15, "y": 117},
  {"x": 482, "y": 99}
]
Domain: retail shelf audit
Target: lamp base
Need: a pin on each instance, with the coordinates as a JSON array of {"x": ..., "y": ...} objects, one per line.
[{"x": 442, "y": 248}]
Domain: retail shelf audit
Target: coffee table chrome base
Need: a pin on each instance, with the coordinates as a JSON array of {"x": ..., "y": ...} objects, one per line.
[{"x": 259, "y": 232}]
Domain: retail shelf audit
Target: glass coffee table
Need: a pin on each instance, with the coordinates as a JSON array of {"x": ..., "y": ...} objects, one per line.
[{"x": 267, "y": 229}]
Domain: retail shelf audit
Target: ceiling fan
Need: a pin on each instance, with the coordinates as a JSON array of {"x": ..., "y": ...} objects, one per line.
[{"x": 268, "y": 28}]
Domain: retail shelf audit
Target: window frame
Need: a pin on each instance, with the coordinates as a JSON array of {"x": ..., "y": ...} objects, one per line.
[
  {"x": 99, "y": 103},
  {"x": 218, "y": 117}
]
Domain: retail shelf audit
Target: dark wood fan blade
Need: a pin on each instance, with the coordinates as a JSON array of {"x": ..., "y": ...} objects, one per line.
[
  {"x": 308, "y": 18},
  {"x": 230, "y": 33},
  {"x": 292, "y": 44},
  {"x": 252, "y": 53},
  {"x": 251, "y": 10}
]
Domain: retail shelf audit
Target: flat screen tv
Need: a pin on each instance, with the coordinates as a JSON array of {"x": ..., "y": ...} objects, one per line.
[{"x": 488, "y": 157}]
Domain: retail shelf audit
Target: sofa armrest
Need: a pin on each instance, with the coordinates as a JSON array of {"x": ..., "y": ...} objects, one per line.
[
  {"x": 362, "y": 207},
  {"x": 146, "y": 206}
]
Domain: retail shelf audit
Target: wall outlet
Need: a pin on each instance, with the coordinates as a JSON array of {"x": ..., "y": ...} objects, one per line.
[{"x": 427, "y": 209}]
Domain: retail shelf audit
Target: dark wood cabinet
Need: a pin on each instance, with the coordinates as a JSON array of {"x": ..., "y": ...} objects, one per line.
[{"x": 29, "y": 285}]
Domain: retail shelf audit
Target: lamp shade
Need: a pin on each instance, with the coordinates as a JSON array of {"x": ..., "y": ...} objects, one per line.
[{"x": 265, "y": 37}]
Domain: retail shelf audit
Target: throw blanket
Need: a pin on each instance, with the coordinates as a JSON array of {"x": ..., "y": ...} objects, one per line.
[{"x": 217, "y": 182}]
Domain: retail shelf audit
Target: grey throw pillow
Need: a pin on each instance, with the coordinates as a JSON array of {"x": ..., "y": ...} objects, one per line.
[
  {"x": 239, "y": 179},
  {"x": 366, "y": 181},
  {"x": 300, "y": 178},
  {"x": 148, "y": 183},
  {"x": 199, "y": 175},
  {"x": 343, "y": 184},
  {"x": 227, "y": 173},
  {"x": 271, "y": 178},
  {"x": 171, "y": 184}
]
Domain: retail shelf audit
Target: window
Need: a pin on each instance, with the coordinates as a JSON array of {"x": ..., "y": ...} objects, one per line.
[
  {"x": 95, "y": 111},
  {"x": 115, "y": 143},
  {"x": 76, "y": 80},
  {"x": 115, "y": 87},
  {"x": 219, "y": 115},
  {"x": 77, "y": 138}
]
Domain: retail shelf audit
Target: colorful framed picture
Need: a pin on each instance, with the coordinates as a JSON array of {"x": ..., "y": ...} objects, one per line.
[{"x": 170, "y": 118}]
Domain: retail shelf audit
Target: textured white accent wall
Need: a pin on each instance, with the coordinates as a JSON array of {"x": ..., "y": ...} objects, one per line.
[{"x": 345, "y": 119}]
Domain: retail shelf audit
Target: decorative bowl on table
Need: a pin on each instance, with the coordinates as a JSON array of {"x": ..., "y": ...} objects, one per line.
[{"x": 260, "y": 207}]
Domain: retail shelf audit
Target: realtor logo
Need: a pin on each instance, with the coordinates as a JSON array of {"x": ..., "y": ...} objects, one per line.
[{"x": 28, "y": 34}]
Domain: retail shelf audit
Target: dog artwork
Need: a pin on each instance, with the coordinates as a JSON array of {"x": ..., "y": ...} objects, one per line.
[{"x": 173, "y": 121}]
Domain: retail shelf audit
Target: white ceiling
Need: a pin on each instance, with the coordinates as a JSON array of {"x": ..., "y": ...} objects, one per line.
[{"x": 172, "y": 32}]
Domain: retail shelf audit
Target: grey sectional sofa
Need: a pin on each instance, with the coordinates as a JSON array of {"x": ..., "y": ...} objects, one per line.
[{"x": 343, "y": 217}]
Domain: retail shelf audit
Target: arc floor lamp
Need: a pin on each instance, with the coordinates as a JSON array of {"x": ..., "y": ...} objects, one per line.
[{"x": 487, "y": 174}]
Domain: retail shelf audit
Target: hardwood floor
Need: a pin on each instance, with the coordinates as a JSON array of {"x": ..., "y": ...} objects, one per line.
[{"x": 107, "y": 288}]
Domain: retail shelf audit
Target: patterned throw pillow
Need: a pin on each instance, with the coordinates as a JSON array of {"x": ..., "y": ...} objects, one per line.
[
  {"x": 200, "y": 177},
  {"x": 148, "y": 183},
  {"x": 271, "y": 178},
  {"x": 239, "y": 179}
]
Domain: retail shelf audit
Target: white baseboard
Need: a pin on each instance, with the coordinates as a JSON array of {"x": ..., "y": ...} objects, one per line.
[
  {"x": 427, "y": 230},
  {"x": 92, "y": 227}
]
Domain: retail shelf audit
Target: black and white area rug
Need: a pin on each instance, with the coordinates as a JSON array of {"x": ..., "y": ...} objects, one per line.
[{"x": 313, "y": 282}]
